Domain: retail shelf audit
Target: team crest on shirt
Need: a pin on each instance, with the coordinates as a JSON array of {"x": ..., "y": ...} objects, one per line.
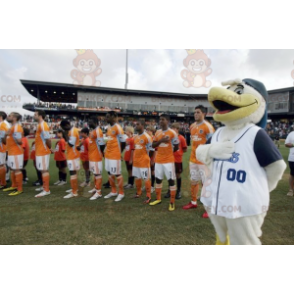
[
  {"x": 201, "y": 131},
  {"x": 141, "y": 141},
  {"x": 113, "y": 132},
  {"x": 233, "y": 159}
]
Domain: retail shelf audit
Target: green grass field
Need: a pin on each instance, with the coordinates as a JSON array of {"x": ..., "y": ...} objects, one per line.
[{"x": 53, "y": 220}]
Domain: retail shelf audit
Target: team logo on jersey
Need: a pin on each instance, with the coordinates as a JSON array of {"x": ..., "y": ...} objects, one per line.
[
  {"x": 141, "y": 141},
  {"x": 233, "y": 159},
  {"x": 195, "y": 138},
  {"x": 201, "y": 131},
  {"x": 113, "y": 132}
]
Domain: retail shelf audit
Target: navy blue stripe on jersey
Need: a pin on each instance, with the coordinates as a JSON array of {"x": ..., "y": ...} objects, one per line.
[{"x": 265, "y": 150}]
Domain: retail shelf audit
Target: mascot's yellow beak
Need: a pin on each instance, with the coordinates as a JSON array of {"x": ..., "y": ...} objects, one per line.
[{"x": 230, "y": 106}]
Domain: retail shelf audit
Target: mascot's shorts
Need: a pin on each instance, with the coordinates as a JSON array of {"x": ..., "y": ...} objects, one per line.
[{"x": 291, "y": 166}]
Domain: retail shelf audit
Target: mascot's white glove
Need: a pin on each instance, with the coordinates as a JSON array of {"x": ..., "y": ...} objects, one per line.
[{"x": 219, "y": 150}]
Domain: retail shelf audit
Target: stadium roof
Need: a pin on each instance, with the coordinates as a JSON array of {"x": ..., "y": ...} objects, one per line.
[{"x": 67, "y": 93}]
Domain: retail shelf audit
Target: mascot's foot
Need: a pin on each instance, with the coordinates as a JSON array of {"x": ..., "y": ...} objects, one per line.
[{"x": 218, "y": 241}]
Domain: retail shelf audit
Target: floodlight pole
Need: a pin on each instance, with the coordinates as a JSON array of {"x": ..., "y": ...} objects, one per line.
[{"x": 127, "y": 75}]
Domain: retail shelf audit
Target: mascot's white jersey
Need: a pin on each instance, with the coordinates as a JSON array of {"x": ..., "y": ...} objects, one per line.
[{"x": 239, "y": 185}]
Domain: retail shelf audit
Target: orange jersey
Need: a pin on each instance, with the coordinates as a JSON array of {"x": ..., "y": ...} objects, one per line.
[
  {"x": 84, "y": 152},
  {"x": 143, "y": 144},
  {"x": 96, "y": 140},
  {"x": 42, "y": 134},
  {"x": 129, "y": 148},
  {"x": 3, "y": 129},
  {"x": 59, "y": 152},
  {"x": 182, "y": 146},
  {"x": 26, "y": 148},
  {"x": 14, "y": 133},
  {"x": 115, "y": 135},
  {"x": 72, "y": 152},
  {"x": 33, "y": 152},
  {"x": 164, "y": 152},
  {"x": 199, "y": 135}
]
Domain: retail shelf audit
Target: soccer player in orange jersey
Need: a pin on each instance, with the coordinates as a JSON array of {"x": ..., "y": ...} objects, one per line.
[
  {"x": 114, "y": 148},
  {"x": 4, "y": 126},
  {"x": 96, "y": 149},
  {"x": 200, "y": 131},
  {"x": 43, "y": 150},
  {"x": 151, "y": 132},
  {"x": 141, "y": 161},
  {"x": 13, "y": 141},
  {"x": 73, "y": 156},
  {"x": 166, "y": 141}
]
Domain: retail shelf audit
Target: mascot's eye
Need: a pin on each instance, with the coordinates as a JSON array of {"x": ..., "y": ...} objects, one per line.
[
  {"x": 239, "y": 90},
  {"x": 91, "y": 63},
  {"x": 192, "y": 63},
  {"x": 201, "y": 63},
  {"x": 82, "y": 63}
]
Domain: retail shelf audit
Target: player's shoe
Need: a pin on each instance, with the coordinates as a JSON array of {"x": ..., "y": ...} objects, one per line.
[
  {"x": 155, "y": 202},
  {"x": 9, "y": 189},
  {"x": 85, "y": 184},
  {"x": 96, "y": 196},
  {"x": 178, "y": 195},
  {"x": 68, "y": 191},
  {"x": 70, "y": 195},
  {"x": 128, "y": 186},
  {"x": 62, "y": 183},
  {"x": 15, "y": 193},
  {"x": 147, "y": 200},
  {"x": 119, "y": 197},
  {"x": 205, "y": 215},
  {"x": 110, "y": 195},
  {"x": 290, "y": 193},
  {"x": 152, "y": 189},
  {"x": 37, "y": 183},
  {"x": 42, "y": 194},
  {"x": 3, "y": 187},
  {"x": 171, "y": 207},
  {"x": 190, "y": 206},
  {"x": 56, "y": 183},
  {"x": 167, "y": 195},
  {"x": 92, "y": 191},
  {"x": 39, "y": 189},
  {"x": 137, "y": 196}
]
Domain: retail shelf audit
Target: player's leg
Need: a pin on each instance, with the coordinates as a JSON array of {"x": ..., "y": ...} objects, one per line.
[
  {"x": 111, "y": 179},
  {"x": 246, "y": 230},
  {"x": 159, "y": 174},
  {"x": 3, "y": 170},
  {"x": 179, "y": 170},
  {"x": 147, "y": 184},
  {"x": 120, "y": 181},
  {"x": 221, "y": 229},
  {"x": 18, "y": 178},
  {"x": 195, "y": 178},
  {"x": 130, "y": 183},
  {"x": 59, "y": 173},
  {"x": 291, "y": 179},
  {"x": 11, "y": 165},
  {"x": 24, "y": 172},
  {"x": 74, "y": 167},
  {"x": 170, "y": 174},
  {"x": 42, "y": 163},
  {"x": 136, "y": 173},
  {"x": 96, "y": 169},
  {"x": 86, "y": 183},
  {"x": 62, "y": 170}
]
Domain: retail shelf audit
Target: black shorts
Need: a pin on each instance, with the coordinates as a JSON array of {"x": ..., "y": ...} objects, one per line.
[
  {"x": 61, "y": 164},
  {"x": 179, "y": 167},
  {"x": 291, "y": 166},
  {"x": 129, "y": 166}
]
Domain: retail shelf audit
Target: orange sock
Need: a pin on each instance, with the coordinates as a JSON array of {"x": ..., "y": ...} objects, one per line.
[
  {"x": 120, "y": 182},
  {"x": 98, "y": 183},
  {"x": 173, "y": 191},
  {"x": 13, "y": 180},
  {"x": 158, "y": 188},
  {"x": 112, "y": 183},
  {"x": 139, "y": 186},
  {"x": 74, "y": 184},
  {"x": 45, "y": 179},
  {"x": 3, "y": 175},
  {"x": 194, "y": 192},
  {"x": 18, "y": 180},
  {"x": 148, "y": 188}
]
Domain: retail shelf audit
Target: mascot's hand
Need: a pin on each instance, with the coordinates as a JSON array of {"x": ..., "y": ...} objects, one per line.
[
  {"x": 221, "y": 150},
  {"x": 206, "y": 153}
]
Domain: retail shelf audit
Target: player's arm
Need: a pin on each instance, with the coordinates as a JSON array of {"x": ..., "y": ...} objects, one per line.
[
  {"x": 132, "y": 146},
  {"x": 175, "y": 142},
  {"x": 2, "y": 136},
  {"x": 155, "y": 143},
  {"x": 46, "y": 136},
  {"x": 122, "y": 139},
  {"x": 288, "y": 142},
  {"x": 18, "y": 137},
  {"x": 101, "y": 143},
  {"x": 184, "y": 145},
  {"x": 72, "y": 141}
]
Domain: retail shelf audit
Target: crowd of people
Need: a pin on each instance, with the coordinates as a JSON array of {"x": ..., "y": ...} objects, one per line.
[{"x": 152, "y": 153}]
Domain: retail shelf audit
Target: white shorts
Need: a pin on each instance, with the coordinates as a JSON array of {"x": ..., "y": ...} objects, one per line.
[
  {"x": 141, "y": 173},
  {"x": 15, "y": 161},
  {"x": 74, "y": 164},
  {"x": 42, "y": 162},
  {"x": 167, "y": 169},
  {"x": 113, "y": 166},
  {"x": 2, "y": 158},
  {"x": 197, "y": 172},
  {"x": 96, "y": 167}
]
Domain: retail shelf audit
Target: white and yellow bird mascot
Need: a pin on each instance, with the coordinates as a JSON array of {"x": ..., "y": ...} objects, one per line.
[{"x": 244, "y": 165}]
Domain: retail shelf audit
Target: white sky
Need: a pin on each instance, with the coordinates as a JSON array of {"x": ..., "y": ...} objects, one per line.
[{"x": 154, "y": 70}]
